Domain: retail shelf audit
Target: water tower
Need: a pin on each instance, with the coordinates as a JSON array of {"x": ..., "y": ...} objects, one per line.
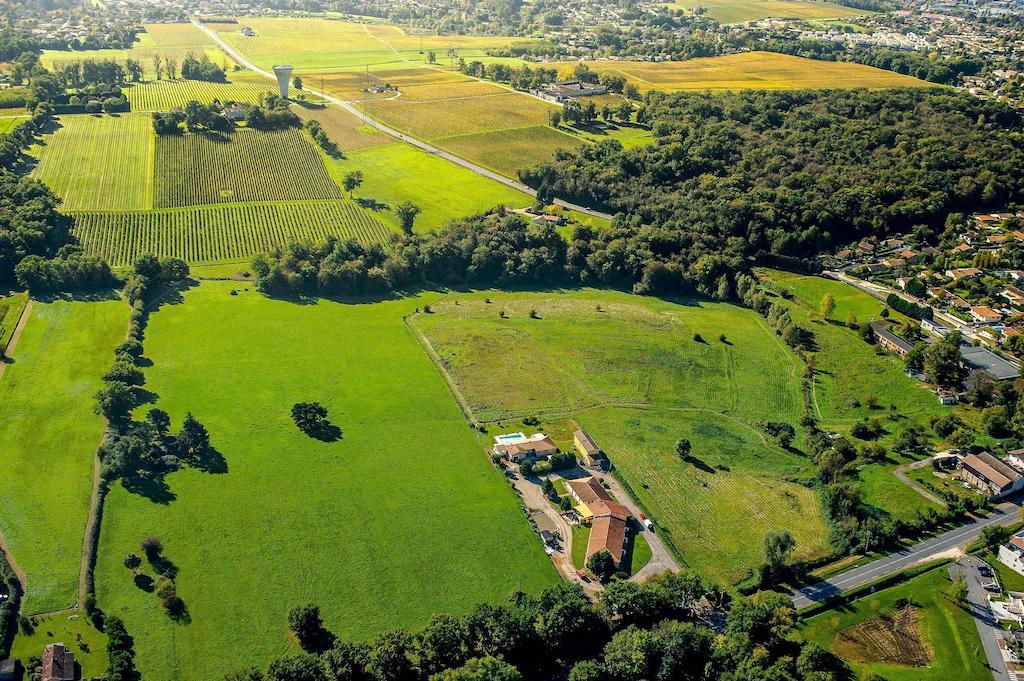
[{"x": 284, "y": 77}]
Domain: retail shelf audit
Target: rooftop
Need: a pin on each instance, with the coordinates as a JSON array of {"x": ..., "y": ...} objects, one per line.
[
  {"x": 981, "y": 359},
  {"x": 990, "y": 468}
]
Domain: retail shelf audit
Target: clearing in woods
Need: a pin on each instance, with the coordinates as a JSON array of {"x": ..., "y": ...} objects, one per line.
[
  {"x": 49, "y": 435},
  {"x": 735, "y": 11},
  {"x": 627, "y": 369},
  {"x": 754, "y": 71},
  {"x": 246, "y": 165},
  {"x": 292, "y": 519},
  {"x": 99, "y": 162},
  {"x": 945, "y": 630},
  {"x": 232, "y": 232}
]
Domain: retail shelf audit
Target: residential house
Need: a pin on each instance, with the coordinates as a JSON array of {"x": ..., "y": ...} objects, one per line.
[
  {"x": 844, "y": 254},
  {"x": 933, "y": 327},
  {"x": 517, "y": 450},
  {"x": 908, "y": 254},
  {"x": 1013, "y": 295},
  {"x": 990, "y": 475},
  {"x": 938, "y": 293},
  {"x": 546, "y": 220},
  {"x": 1010, "y": 608},
  {"x": 607, "y": 518},
  {"x": 1011, "y": 554},
  {"x": 963, "y": 248},
  {"x": 984, "y": 314},
  {"x": 931, "y": 251},
  {"x": 957, "y": 301},
  {"x": 234, "y": 112},
  {"x": 58, "y": 663},
  {"x": 588, "y": 450},
  {"x": 890, "y": 341},
  {"x": 866, "y": 247},
  {"x": 567, "y": 89},
  {"x": 962, "y": 273}
]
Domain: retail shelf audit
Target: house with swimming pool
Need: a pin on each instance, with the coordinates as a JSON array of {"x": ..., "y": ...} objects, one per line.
[{"x": 518, "y": 447}]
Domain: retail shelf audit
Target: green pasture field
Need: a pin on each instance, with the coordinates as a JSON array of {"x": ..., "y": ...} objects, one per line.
[
  {"x": 736, "y": 11},
  {"x": 344, "y": 129},
  {"x": 443, "y": 190},
  {"x": 228, "y": 232},
  {"x": 74, "y": 631},
  {"x": 99, "y": 162},
  {"x": 439, "y": 118},
  {"x": 376, "y": 528},
  {"x": 49, "y": 435},
  {"x": 165, "y": 95},
  {"x": 628, "y": 370},
  {"x": 163, "y": 40},
  {"x": 9, "y": 123},
  {"x": 890, "y": 495},
  {"x": 247, "y": 165},
  {"x": 508, "y": 151},
  {"x": 11, "y": 307},
  {"x": 324, "y": 44},
  {"x": 754, "y": 70},
  {"x": 948, "y": 631}
]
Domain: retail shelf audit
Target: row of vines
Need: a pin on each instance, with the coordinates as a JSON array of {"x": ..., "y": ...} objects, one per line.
[
  {"x": 168, "y": 94},
  {"x": 214, "y": 233}
]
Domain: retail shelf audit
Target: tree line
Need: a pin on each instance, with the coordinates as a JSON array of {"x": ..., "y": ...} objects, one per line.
[{"x": 655, "y": 631}]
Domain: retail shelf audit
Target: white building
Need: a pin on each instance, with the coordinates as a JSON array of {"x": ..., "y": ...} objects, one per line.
[{"x": 1011, "y": 554}]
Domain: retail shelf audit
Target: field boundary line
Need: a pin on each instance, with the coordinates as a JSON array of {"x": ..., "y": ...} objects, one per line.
[
  {"x": 435, "y": 359},
  {"x": 16, "y": 336}
]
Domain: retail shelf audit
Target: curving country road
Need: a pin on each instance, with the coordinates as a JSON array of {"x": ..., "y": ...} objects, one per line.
[{"x": 420, "y": 144}]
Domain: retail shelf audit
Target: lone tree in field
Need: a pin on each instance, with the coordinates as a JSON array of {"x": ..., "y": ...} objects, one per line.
[
  {"x": 132, "y": 561},
  {"x": 602, "y": 565},
  {"x": 152, "y": 547},
  {"x": 407, "y": 212},
  {"x": 828, "y": 305},
  {"x": 297, "y": 82},
  {"x": 308, "y": 415},
  {"x": 683, "y": 449},
  {"x": 778, "y": 547},
  {"x": 308, "y": 627},
  {"x": 352, "y": 181}
]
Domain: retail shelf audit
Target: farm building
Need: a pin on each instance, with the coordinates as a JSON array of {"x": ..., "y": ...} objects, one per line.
[
  {"x": 1011, "y": 554},
  {"x": 567, "y": 89},
  {"x": 233, "y": 112},
  {"x": 589, "y": 451},
  {"x": 608, "y": 519},
  {"x": 58, "y": 663},
  {"x": 519, "y": 449},
  {"x": 990, "y": 475},
  {"x": 981, "y": 359},
  {"x": 889, "y": 340}
]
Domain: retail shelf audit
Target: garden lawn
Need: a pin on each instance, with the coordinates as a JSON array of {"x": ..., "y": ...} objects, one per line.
[
  {"x": 735, "y": 11},
  {"x": 443, "y": 190},
  {"x": 947, "y": 630},
  {"x": 401, "y": 518},
  {"x": 99, "y": 162},
  {"x": 47, "y": 439},
  {"x": 628, "y": 370},
  {"x": 754, "y": 70},
  {"x": 90, "y": 650}
]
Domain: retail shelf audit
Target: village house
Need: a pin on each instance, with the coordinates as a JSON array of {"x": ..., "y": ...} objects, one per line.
[
  {"x": 933, "y": 327},
  {"x": 866, "y": 247},
  {"x": 607, "y": 518},
  {"x": 1013, "y": 295},
  {"x": 233, "y": 112},
  {"x": 546, "y": 220},
  {"x": 522, "y": 448},
  {"x": 957, "y": 301},
  {"x": 844, "y": 254},
  {"x": 984, "y": 314},
  {"x": 1011, "y": 554},
  {"x": 888, "y": 340},
  {"x": 58, "y": 663},
  {"x": 960, "y": 273},
  {"x": 963, "y": 248},
  {"x": 589, "y": 452},
  {"x": 568, "y": 89},
  {"x": 989, "y": 475}
]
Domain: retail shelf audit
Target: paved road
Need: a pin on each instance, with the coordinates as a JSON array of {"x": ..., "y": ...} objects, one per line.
[
  {"x": 1006, "y": 513},
  {"x": 347, "y": 106},
  {"x": 987, "y": 627}
]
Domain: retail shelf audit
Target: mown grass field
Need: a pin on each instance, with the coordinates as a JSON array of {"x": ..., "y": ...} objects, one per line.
[
  {"x": 165, "y": 95},
  {"x": 247, "y": 165},
  {"x": 11, "y": 307},
  {"x": 947, "y": 630},
  {"x": 755, "y": 70},
  {"x": 444, "y": 191},
  {"x": 99, "y": 162},
  {"x": 90, "y": 650},
  {"x": 508, "y": 151},
  {"x": 378, "y": 528},
  {"x": 323, "y": 44},
  {"x": 232, "y": 232},
  {"x": 9, "y": 123},
  {"x": 48, "y": 438},
  {"x": 163, "y": 40},
  {"x": 628, "y": 370},
  {"x": 428, "y": 119},
  {"x": 735, "y": 11}
]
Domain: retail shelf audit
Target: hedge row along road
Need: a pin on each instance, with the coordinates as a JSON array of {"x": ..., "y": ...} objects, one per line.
[{"x": 234, "y": 54}]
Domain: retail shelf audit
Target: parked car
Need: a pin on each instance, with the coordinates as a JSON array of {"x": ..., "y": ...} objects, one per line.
[{"x": 985, "y": 571}]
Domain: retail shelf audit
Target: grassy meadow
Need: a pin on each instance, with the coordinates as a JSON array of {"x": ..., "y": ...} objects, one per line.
[
  {"x": 402, "y": 517},
  {"x": 947, "y": 631},
  {"x": 754, "y": 70},
  {"x": 99, "y": 162},
  {"x": 49, "y": 436},
  {"x": 628, "y": 369},
  {"x": 507, "y": 151},
  {"x": 11, "y": 307},
  {"x": 736, "y": 11},
  {"x": 443, "y": 191}
]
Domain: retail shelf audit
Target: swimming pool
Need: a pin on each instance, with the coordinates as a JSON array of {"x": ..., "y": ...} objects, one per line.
[{"x": 509, "y": 438}]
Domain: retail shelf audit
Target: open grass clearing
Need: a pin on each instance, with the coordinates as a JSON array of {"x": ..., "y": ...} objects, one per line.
[
  {"x": 628, "y": 370},
  {"x": 443, "y": 190},
  {"x": 379, "y": 532},
  {"x": 754, "y": 70},
  {"x": 946, "y": 631},
  {"x": 232, "y": 232},
  {"x": 99, "y": 162},
  {"x": 48, "y": 436},
  {"x": 890, "y": 495},
  {"x": 71, "y": 629},
  {"x": 736, "y": 11},
  {"x": 247, "y": 165},
  {"x": 165, "y": 95},
  {"x": 439, "y": 118},
  {"x": 508, "y": 151}
]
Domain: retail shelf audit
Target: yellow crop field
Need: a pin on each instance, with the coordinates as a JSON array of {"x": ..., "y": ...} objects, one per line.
[
  {"x": 755, "y": 70},
  {"x": 437, "y": 118},
  {"x": 508, "y": 151},
  {"x": 735, "y": 11},
  {"x": 344, "y": 129}
]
